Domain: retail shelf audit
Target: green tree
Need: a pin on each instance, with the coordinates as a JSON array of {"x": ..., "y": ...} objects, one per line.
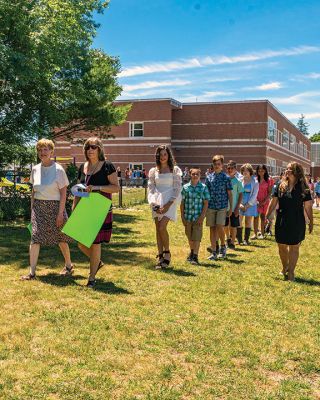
[
  {"x": 315, "y": 137},
  {"x": 51, "y": 79},
  {"x": 302, "y": 125}
]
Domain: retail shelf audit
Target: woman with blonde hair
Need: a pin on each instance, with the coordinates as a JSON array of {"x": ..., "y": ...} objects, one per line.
[
  {"x": 99, "y": 175},
  {"x": 165, "y": 185},
  {"x": 48, "y": 214},
  {"x": 293, "y": 196}
]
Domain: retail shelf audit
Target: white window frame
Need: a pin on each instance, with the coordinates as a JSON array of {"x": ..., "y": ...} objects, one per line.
[
  {"x": 136, "y": 164},
  {"x": 272, "y": 130},
  {"x": 286, "y": 135},
  {"x": 272, "y": 165},
  {"x": 132, "y": 129},
  {"x": 293, "y": 143}
]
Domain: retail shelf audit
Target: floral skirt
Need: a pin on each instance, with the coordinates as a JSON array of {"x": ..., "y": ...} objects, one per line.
[{"x": 43, "y": 219}]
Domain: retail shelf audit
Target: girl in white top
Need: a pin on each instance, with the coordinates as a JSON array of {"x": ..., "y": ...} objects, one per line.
[
  {"x": 164, "y": 197},
  {"x": 48, "y": 213}
]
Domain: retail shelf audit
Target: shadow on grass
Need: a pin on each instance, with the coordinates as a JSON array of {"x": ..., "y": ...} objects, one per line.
[
  {"x": 63, "y": 281},
  {"x": 310, "y": 282},
  {"x": 14, "y": 246},
  {"x": 172, "y": 271},
  {"x": 234, "y": 261},
  {"x": 58, "y": 280},
  {"x": 110, "y": 288}
]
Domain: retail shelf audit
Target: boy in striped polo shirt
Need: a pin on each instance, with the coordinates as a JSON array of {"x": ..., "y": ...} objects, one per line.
[{"x": 194, "y": 205}]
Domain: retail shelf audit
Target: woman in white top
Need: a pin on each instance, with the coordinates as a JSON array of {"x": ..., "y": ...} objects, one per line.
[
  {"x": 164, "y": 194},
  {"x": 48, "y": 213}
]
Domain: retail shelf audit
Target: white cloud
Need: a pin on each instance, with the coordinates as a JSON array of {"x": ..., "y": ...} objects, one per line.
[
  {"x": 311, "y": 75},
  {"x": 300, "y": 98},
  {"x": 155, "y": 84},
  {"x": 217, "y": 60},
  {"x": 313, "y": 115},
  {"x": 269, "y": 86},
  {"x": 205, "y": 96}
]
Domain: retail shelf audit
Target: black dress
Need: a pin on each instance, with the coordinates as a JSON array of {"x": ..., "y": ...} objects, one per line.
[
  {"x": 290, "y": 226},
  {"x": 100, "y": 178}
]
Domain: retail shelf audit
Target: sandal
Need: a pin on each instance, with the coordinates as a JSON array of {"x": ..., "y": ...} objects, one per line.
[
  {"x": 101, "y": 264},
  {"x": 28, "y": 277},
  {"x": 159, "y": 263},
  {"x": 91, "y": 284},
  {"x": 67, "y": 271},
  {"x": 165, "y": 263}
]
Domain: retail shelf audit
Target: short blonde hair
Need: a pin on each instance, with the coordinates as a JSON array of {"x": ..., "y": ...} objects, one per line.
[
  {"x": 98, "y": 142},
  {"x": 45, "y": 143},
  {"x": 218, "y": 157}
]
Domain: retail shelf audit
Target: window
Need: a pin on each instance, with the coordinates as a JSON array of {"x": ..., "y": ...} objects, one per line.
[
  {"x": 293, "y": 143},
  {"x": 272, "y": 130},
  {"x": 136, "y": 166},
  {"x": 305, "y": 151},
  {"x": 285, "y": 139},
  {"x": 136, "y": 129},
  {"x": 272, "y": 165},
  {"x": 300, "y": 148}
]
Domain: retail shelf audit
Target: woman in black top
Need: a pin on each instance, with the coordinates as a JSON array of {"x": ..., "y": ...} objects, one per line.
[
  {"x": 293, "y": 196},
  {"x": 100, "y": 176}
]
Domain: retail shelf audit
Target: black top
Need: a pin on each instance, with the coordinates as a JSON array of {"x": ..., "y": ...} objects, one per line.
[
  {"x": 99, "y": 178},
  {"x": 290, "y": 223}
]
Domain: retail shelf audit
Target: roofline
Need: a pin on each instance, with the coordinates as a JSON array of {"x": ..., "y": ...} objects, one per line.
[{"x": 174, "y": 102}]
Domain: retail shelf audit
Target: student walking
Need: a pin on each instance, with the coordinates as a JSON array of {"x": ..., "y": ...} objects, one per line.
[
  {"x": 194, "y": 205},
  {"x": 220, "y": 189},
  {"x": 237, "y": 192},
  {"x": 265, "y": 188},
  {"x": 164, "y": 195},
  {"x": 248, "y": 206},
  {"x": 317, "y": 192},
  {"x": 293, "y": 196}
]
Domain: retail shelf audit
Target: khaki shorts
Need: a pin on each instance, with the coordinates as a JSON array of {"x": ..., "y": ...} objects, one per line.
[
  {"x": 193, "y": 231},
  {"x": 216, "y": 217}
]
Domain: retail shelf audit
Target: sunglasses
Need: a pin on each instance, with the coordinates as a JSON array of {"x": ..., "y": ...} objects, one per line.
[
  {"x": 195, "y": 174},
  {"x": 91, "y": 146}
]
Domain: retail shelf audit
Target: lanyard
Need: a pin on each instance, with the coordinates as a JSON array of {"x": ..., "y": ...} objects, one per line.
[{"x": 87, "y": 176}]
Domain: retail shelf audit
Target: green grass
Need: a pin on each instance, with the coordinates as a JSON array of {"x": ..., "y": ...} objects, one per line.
[{"x": 229, "y": 330}]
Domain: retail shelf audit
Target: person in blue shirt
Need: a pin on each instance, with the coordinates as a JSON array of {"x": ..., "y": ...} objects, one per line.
[
  {"x": 194, "y": 205},
  {"x": 317, "y": 192},
  {"x": 220, "y": 189}
]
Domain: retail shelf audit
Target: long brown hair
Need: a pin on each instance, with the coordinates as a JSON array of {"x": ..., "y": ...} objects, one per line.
[
  {"x": 298, "y": 173},
  {"x": 98, "y": 142},
  {"x": 171, "y": 160}
]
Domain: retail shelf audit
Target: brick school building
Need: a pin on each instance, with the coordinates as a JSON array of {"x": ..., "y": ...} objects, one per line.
[{"x": 244, "y": 131}]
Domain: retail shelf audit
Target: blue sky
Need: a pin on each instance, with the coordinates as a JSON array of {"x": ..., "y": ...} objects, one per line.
[{"x": 212, "y": 50}]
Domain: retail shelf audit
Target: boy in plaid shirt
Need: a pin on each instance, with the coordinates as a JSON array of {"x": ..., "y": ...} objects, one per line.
[{"x": 194, "y": 205}]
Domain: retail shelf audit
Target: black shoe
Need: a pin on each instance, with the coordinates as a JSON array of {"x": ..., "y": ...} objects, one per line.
[
  {"x": 91, "y": 284},
  {"x": 209, "y": 250},
  {"x": 190, "y": 257},
  {"x": 231, "y": 246},
  {"x": 229, "y": 243},
  {"x": 195, "y": 260}
]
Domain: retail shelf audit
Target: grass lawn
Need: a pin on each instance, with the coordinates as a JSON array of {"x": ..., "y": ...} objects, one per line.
[{"x": 229, "y": 330}]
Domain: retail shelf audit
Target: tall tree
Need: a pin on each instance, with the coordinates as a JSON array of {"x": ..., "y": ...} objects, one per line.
[
  {"x": 315, "y": 137},
  {"x": 51, "y": 78},
  {"x": 303, "y": 126}
]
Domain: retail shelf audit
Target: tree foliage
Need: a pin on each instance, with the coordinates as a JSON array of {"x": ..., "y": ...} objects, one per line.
[
  {"x": 315, "y": 137},
  {"x": 303, "y": 126},
  {"x": 51, "y": 78}
]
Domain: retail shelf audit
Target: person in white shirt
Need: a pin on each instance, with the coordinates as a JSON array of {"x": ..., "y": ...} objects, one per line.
[{"x": 48, "y": 213}]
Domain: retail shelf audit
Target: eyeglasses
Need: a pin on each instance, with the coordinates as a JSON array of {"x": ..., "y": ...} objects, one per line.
[
  {"x": 194, "y": 174},
  {"x": 91, "y": 146}
]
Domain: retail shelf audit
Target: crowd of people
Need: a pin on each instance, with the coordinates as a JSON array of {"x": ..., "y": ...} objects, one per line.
[{"x": 232, "y": 202}]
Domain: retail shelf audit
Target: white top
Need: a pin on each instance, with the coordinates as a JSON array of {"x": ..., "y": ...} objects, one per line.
[
  {"x": 47, "y": 181},
  {"x": 163, "y": 188}
]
